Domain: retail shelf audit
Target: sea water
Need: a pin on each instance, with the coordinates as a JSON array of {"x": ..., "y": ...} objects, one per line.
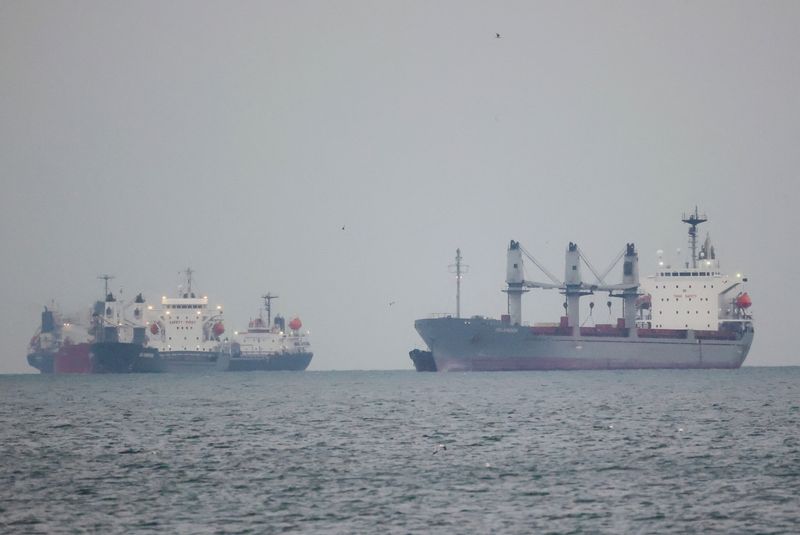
[{"x": 402, "y": 452}]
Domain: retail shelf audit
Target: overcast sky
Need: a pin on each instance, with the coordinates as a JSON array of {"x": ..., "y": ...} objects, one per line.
[{"x": 238, "y": 138}]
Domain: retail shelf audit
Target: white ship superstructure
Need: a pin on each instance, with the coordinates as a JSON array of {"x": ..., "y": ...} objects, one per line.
[
  {"x": 699, "y": 297},
  {"x": 186, "y": 330}
]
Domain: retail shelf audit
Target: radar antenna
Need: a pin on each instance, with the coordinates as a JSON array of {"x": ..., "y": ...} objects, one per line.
[
  {"x": 459, "y": 269},
  {"x": 268, "y": 297},
  {"x": 693, "y": 220}
]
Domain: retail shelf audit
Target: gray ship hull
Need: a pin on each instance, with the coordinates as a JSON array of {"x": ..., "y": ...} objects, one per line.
[
  {"x": 490, "y": 345},
  {"x": 266, "y": 362},
  {"x": 188, "y": 361},
  {"x": 42, "y": 361}
]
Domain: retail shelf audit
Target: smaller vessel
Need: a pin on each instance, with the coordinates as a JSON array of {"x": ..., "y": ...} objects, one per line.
[
  {"x": 267, "y": 345},
  {"x": 423, "y": 360}
]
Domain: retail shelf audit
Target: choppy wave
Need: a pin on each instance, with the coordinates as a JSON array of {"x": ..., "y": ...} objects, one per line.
[{"x": 353, "y": 452}]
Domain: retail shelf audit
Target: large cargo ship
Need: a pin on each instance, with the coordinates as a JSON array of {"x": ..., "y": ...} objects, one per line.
[
  {"x": 185, "y": 332},
  {"x": 693, "y": 316},
  {"x": 268, "y": 345},
  {"x": 120, "y": 335}
]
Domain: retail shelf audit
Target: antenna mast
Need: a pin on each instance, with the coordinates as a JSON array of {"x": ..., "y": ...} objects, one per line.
[
  {"x": 459, "y": 269},
  {"x": 693, "y": 220},
  {"x": 105, "y": 278},
  {"x": 268, "y": 297},
  {"x": 189, "y": 272}
]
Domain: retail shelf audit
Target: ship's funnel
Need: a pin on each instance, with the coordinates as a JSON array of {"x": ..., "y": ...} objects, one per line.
[{"x": 48, "y": 321}]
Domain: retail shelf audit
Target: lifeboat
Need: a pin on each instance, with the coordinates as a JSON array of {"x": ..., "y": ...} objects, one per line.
[
  {"x": 743, "y": 301},
  {"x": 295, "y": 324},
  {"x": 218, "y": 328}
]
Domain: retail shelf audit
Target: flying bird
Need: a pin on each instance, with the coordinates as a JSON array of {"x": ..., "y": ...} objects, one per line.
[{"x": 498, "y": 35}]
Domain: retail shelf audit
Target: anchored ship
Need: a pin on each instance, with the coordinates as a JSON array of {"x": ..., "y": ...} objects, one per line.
[
  {"x": 185, "y": 332},
  {"x": 267, "y": 345},
  {"x": 60, "y": 345},
  {"x": 693, "y": 316},
  {"x": 120, "y": 334}
]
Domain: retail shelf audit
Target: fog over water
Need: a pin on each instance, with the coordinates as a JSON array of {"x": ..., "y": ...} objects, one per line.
[{"x": 337, "y": 153}]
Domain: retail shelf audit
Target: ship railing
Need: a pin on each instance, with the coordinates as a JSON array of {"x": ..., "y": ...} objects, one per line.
[
  {"x": 735, "y": 316},
  {"x": 436, "y": 315}
]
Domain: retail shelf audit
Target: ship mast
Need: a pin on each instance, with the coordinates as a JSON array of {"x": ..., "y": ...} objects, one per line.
[
  {"x": 459, "y": 269},
  {"x": 104, "y": 277},
  {"x": 189, "y": 272},
  {"x": 268, "y": 297},
  {"x": 693, "y": 220}
]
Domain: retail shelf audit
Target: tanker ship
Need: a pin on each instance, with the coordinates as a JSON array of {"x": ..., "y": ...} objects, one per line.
[
  {"x": 693, "y": 316},
  {"x": 268, "y": 345},
  {"x": 185, "y": 332},
  {"x": 60, "y": 345}
]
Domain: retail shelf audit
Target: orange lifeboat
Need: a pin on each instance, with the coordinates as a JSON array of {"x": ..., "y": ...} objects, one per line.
[
  {"x": 154, "y": 328},
  {"x": 295, "y": 324},
  {"x": 218, "y": 328},
  {"x": 743, "y": 301}
]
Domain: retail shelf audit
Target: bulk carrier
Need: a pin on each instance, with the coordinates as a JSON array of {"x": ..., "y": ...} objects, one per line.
[
  {"x": 119, "y": 335},
  {"x": 691, "y": 317}
]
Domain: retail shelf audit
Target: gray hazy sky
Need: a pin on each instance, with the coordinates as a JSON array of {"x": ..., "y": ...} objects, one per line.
[{"x": 137, "y": 138}]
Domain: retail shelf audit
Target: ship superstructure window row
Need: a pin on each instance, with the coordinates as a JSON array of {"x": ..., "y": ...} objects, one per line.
[{"x": 689, "y": 274}]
